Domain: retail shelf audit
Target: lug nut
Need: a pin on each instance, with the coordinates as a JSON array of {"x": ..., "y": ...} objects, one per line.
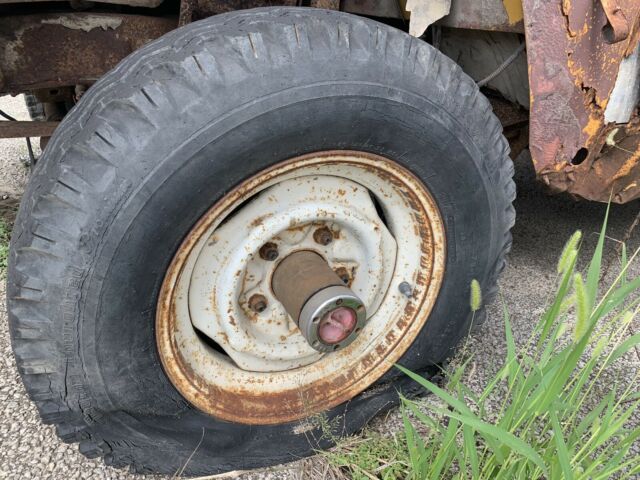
[
  {"x": 258, "y": 303},
  {"x": 343, "y": 273},
  {"x": 269, "y": 251},
  {"x": 323, "y": 236}
]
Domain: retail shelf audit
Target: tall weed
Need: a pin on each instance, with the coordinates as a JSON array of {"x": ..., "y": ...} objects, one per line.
[{"x": 551, "y": 411}]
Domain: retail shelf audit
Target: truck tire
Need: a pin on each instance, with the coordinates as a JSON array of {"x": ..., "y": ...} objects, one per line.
[{"x": 177, "y": 139}]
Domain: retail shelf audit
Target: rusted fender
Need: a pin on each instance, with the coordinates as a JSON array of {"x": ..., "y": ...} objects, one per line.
[
  {"x": 51, "y": 50},
  {"x": 574, "y": 56}
]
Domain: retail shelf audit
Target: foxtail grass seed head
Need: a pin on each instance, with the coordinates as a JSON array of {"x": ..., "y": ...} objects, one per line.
[
  {"x": 476, "y": 296},
  {"x": 582, "y": 309},
  {"x": 562, "y": 329},
  {"x": 628, "y": 317},
  {"x": 600, "y": 346},
  {"x": 569, "y": 252}
]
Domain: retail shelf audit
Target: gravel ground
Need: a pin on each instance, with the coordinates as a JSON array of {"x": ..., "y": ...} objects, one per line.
[{"x": 29, "y": 449}]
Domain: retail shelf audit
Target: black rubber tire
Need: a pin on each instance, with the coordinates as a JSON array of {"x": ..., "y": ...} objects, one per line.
[{"x": 166, "y": 133}]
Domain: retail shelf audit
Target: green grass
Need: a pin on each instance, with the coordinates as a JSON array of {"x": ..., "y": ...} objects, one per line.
[
  {"x": 371, "y": 456},
  {"x": 548, "y": 412},
  {"x": 5, "y": 234}
]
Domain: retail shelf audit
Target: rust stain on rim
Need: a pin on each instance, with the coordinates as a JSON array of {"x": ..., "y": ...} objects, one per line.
[{"x": 248, "y": 403}]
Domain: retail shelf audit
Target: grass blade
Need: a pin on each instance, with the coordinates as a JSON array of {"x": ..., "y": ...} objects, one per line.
[
  {"x": 510, "y": 440},
  {"x": 561, "y": 447},
  {"x": 593, "y": 274}
]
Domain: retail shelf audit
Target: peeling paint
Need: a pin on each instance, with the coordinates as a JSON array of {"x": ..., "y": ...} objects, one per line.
[
  {"x": 424, "y": 13},
  {"x": 84, "y": 23},
  {"x": 592, "y": 127}
]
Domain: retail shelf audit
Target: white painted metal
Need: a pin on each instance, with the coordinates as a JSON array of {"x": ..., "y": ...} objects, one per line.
[
  {"x": 229, "y": 269},
  {"x": 220, "y": 370},
  {"x": 424, "y": 13},
  {"x": 626, "y": 92}
]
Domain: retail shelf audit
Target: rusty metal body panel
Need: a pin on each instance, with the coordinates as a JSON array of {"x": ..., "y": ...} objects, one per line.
[
  {"x": 130, "y": 3},
  {"x": 53, "y": 50},
  {"x": 572, "y": 72},
  {"x": 494, "y": 15},
  {"x": 192, "y": 10}
]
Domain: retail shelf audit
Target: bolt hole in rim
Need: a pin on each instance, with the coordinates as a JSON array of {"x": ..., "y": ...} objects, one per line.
[{"x": 261, "y": 381}]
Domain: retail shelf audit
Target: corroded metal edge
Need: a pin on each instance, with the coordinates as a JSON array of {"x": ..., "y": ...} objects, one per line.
[{"x": 572, "y": 72}]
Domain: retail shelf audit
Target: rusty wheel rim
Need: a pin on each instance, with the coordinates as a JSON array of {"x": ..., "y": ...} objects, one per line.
[{"x": 213, "y": 383}]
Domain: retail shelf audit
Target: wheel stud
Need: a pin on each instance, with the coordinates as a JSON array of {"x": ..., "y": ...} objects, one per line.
[
  {"x": 269, "y": 251},
  {"x": 405, "y": 289},
  {"x": 323, "y": 236},
  {"x": 258, "y": 303},
  {"x": 343, "y": 273}
]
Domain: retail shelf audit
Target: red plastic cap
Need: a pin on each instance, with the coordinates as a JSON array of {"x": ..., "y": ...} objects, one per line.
[{"x": 337, "y": 325}]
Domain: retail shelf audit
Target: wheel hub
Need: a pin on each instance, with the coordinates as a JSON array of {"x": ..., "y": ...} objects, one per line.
[
  {"x": 233, "y": 298},
  {"x": 225, "y": 336},
  {"x": 328, "y": 314}
]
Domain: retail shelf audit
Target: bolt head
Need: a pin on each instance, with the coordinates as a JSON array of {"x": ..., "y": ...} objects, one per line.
[
  {"x": 405, "y": 289},
  {"x": 344, "y": 275},
  {"x": 258, "y": 303},
  {"x": 269, "y": 251},
  {"x": 323, "y": 236}
]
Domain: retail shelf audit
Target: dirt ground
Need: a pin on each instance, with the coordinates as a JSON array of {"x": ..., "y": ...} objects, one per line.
[{"x": 29, "y": 449}]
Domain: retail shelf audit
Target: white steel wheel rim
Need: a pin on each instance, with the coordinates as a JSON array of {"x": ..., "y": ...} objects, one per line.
[
  {"x": 229, "y": 271},
  {"x": 267, "y": 361}
]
